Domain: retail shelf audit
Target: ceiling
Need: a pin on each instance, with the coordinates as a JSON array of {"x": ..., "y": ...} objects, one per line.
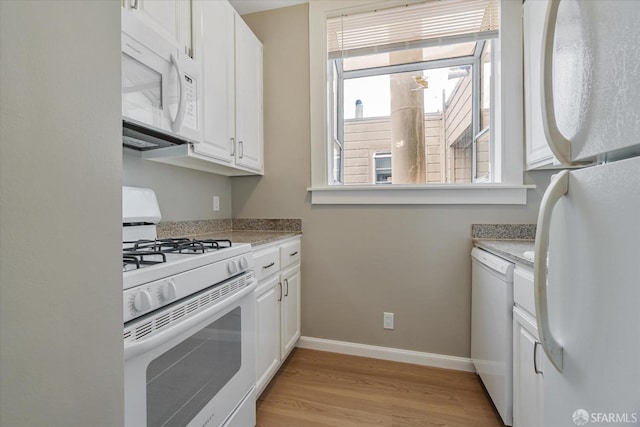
[{"x": 250, "y": 6}]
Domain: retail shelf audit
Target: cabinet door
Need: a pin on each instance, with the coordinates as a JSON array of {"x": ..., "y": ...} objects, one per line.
[
  {"x": 161, "y": 15},
  {"x": 538, "y": 152},
  {"x": 290, "y": 310},
  {"x": 169, "y": 18},
  {"x": 214, "y": 49},
  {"x": 268, "y": 295},
  {"x": 249, "y": 120},
  {"x": 527, "y": 384},
  {"x": 185, "y": 27}
]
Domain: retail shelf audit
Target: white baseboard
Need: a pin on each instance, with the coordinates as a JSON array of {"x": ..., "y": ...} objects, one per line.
[{"x": 387, "y": 353}]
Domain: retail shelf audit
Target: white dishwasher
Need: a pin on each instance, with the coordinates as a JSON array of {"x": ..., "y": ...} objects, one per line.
[{"x": 492, "y": 327}]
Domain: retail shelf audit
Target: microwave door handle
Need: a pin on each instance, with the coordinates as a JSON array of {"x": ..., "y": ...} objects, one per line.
[
  {"x": 559, "y": 145},
  {"x": 556, "y": 190},
  {"x": 177, "y": 123}
]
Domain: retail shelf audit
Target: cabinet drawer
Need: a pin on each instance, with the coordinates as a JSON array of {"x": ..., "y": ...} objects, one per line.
[
  {"x": 267, "y": 262},
  {"x": 523, "y": 290},
  {"x": 290, "y": 253}
]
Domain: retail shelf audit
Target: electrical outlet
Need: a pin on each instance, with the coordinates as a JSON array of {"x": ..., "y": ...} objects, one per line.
[
  {"x": 388, "y": 321},
  {"x": 216, "y": 203}
]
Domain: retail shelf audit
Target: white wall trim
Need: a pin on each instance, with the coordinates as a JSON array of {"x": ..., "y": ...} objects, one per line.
[
  {"x": 446, "y": 194},
  {"x": 388, "y": 353}
]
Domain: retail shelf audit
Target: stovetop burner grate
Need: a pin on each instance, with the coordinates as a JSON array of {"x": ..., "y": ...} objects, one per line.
[
  {"x": 139, "y": 259},
  {"x": 181, "y": 245},
  {"x": 139, "y": 253}
]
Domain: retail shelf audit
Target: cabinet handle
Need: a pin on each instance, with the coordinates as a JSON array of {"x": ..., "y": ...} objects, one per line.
[
  {"x": 280, "y": 294},
  {"x": 241, "y": 149},
  {"x": 233, "y": 146},
  {"x": 133, "y": 4},
  {"x": 560, "y": 146},
  {"x": 535, "y": 358},
  {"x": 264, "y": 267},
  {"x": 294, "y": 253},
  {"x": 558, "y": 188},
  {"x": 286, "y": 282}
]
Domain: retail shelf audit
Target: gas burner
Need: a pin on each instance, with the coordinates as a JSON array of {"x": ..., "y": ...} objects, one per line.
[
  {"x": 132, "y": 260},
  {"x": 142, "y": 253},
  {"x": 177, "y": 245}
]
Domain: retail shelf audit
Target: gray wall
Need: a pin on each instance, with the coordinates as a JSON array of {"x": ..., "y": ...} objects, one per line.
[
  {"x": 61, "y": 357},
  {"x": 183, "y": 194},
  {"x": 359, "y": 261}
]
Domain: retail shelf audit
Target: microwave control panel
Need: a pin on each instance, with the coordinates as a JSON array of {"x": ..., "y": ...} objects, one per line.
[{"x": 191, "y": 105}]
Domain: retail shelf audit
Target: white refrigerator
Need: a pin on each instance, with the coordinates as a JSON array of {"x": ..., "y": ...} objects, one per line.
[{"x": 588, "y": 290}]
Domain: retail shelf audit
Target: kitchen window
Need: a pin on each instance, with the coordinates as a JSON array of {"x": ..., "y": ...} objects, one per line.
[
  {"x": 429, "y": 113},
  {"x": 422, "y": 81}
]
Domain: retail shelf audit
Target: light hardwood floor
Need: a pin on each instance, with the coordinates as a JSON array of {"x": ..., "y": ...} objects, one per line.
[{"x": 316, "y": 388}]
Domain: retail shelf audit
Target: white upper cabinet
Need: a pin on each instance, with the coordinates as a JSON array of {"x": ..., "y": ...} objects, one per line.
[
  {"x": 229, "y": 100},
  {"x": 249, "y": 115},
  {"x": 538, "y": 152},
  {"x": 214, "y": 49},
  {"x": 170, "y": 18},
  {"x": 231, "y": 58}
]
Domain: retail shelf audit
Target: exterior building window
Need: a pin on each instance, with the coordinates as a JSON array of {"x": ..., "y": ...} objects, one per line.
[
  {"x": 382, "y": 164},
  {"x": 418, "y": 106}
]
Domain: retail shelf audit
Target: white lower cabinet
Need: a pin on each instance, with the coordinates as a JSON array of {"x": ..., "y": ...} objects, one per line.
[
  {"x": 290, "y": 310},
  {"x": 277, "y": 307},
  {"x": 267, "y": 330},
  {"x": 528, "y": 356}
]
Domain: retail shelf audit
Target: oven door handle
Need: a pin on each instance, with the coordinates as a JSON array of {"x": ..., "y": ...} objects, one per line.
[{"x": 135, "y": 348}]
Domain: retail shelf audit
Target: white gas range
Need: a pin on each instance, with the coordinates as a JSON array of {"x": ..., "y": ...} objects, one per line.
[{"x": 189, "y": 332}]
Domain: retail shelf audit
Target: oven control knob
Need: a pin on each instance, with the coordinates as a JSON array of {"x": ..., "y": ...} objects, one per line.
[
  {"x": 142, "y": 301},
  {"x": 169, "y": 291},
  {"x": 232, "y": 267},
  {"x": 244, "y": 263}
]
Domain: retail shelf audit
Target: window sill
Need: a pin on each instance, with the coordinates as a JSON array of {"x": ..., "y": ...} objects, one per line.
[{"x": 431, "y": 194}]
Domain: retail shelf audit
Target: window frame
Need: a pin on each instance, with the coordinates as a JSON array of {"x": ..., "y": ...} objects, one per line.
[
  {"x": 334, "y": 129},
  {"x": 479, "y": 131},
  {"x": 508, "y": 129},
  {"x": 474, "y": 61}
]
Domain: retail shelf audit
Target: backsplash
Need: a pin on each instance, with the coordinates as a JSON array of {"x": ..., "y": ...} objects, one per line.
[
  {"x": 503, "y": 231},
  {"x": 206, "y": 226},
  {"x": 190, "y": 228},
  {"x": 242, "y": 224}
]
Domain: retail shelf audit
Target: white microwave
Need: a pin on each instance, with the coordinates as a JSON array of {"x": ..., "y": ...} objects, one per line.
[{"x": 161, "y": 90}]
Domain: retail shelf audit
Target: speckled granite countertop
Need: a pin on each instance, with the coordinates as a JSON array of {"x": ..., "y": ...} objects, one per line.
[
  {"x": 512, "y": 250},
  {"x": 509, "y": 241},
  {"x": 255, "y": 238},
  {"x": 239, "y": 230}
]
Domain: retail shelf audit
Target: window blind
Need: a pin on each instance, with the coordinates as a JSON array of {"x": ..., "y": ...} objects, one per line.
[{"x": 431, "y": 23}]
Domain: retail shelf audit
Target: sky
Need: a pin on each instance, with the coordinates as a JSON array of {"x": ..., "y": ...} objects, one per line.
[{"x": 374, "y": 93}]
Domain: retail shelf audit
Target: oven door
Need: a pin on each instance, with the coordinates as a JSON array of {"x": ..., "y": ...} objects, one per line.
[{"x": 196, "y": 371}]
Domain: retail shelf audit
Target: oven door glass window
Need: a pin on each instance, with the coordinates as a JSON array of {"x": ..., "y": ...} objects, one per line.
[{"x": 183, "y": 380}]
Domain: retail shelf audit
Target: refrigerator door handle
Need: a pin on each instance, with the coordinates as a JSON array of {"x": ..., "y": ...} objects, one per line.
[
  {"x": 555, "y": 191},
  {"x": 560, "y": 146}
]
